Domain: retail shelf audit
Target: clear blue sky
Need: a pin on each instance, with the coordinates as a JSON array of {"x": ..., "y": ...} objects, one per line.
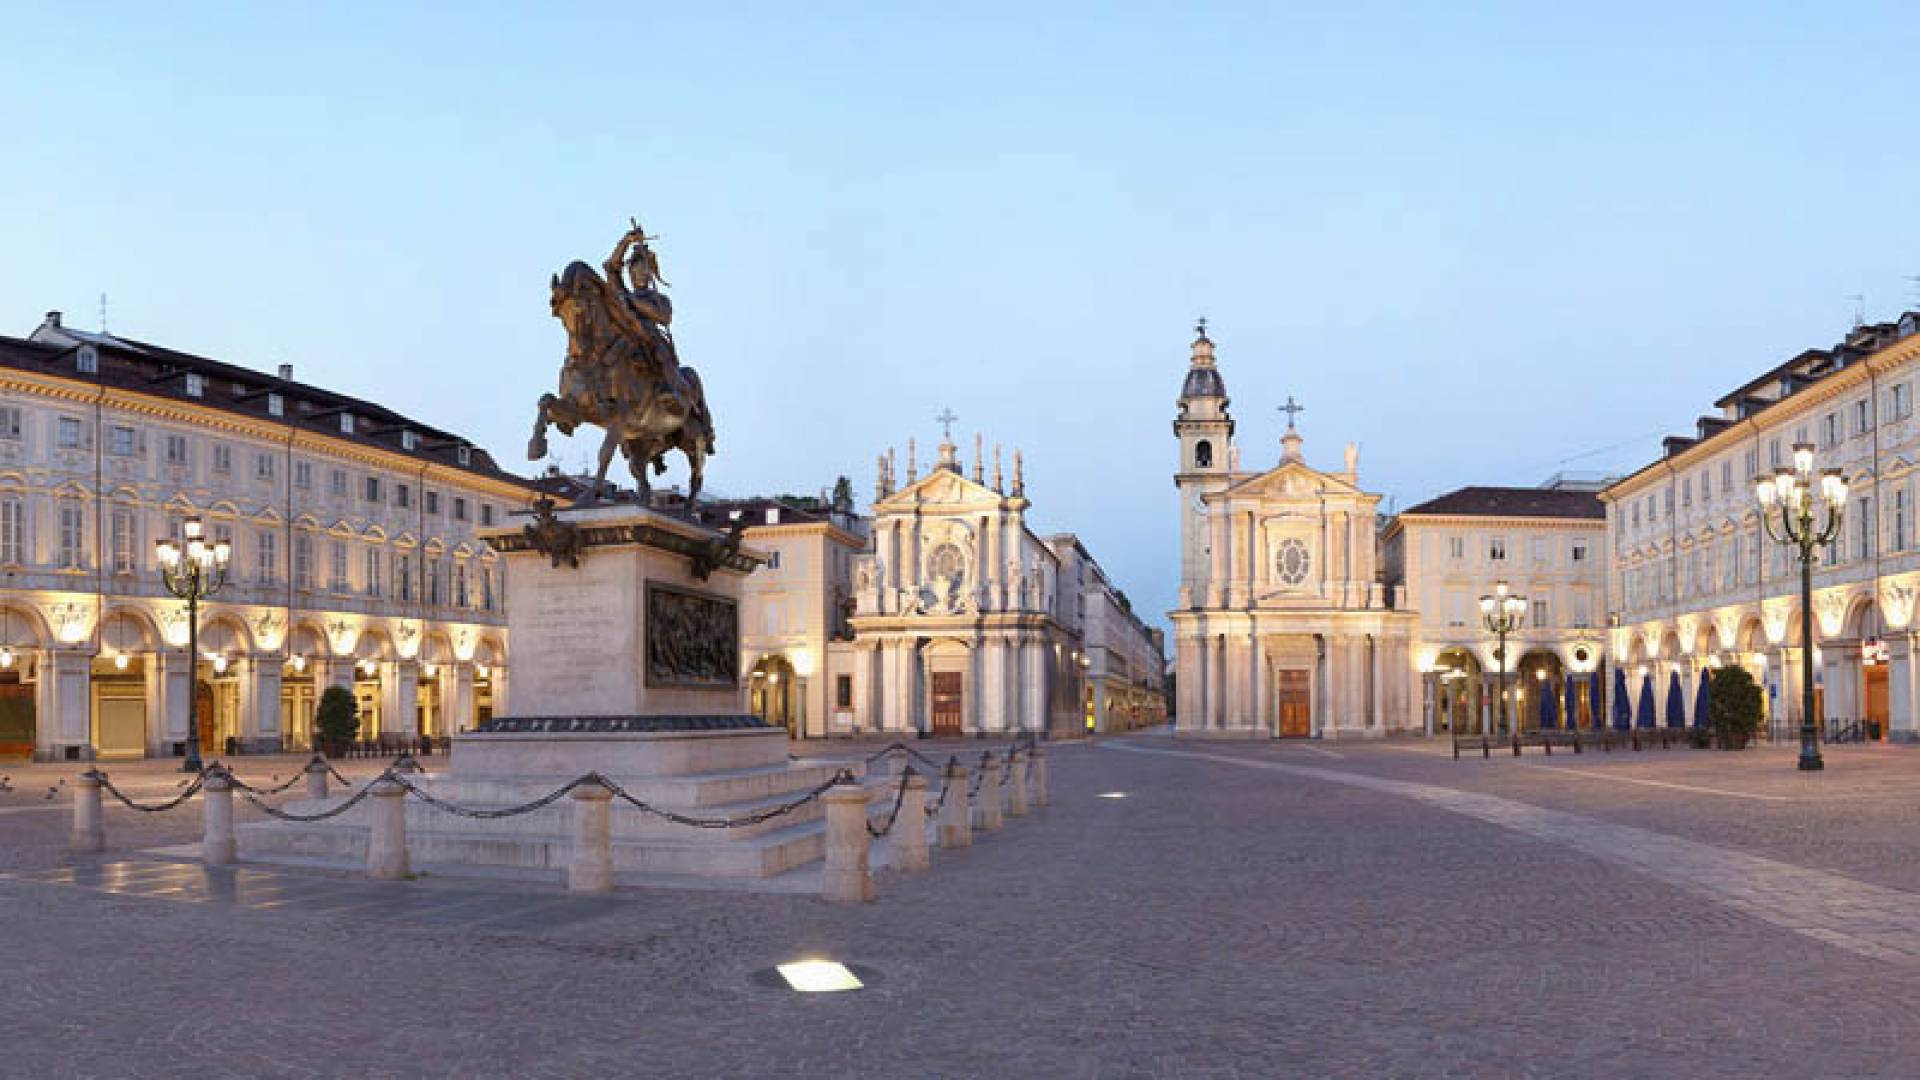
[{"x": 1481, "y": 244}]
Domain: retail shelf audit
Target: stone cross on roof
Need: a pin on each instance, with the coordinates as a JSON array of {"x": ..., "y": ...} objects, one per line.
[
  {"x": 1290, "y": 408},
  {"x": 946, "y": 420}
]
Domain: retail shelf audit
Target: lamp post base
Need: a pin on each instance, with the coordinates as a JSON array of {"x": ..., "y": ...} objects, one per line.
[{"x": 1811, "y": 762}]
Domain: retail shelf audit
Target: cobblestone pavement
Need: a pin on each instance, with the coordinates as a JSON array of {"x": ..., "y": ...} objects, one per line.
[{"x": 1333, "y": 910}]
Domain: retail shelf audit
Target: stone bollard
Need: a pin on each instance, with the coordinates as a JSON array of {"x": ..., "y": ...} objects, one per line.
[
  {"x": 317, "y": 778},
  {"x": 89, "y": 826},
  {"x": 955, "y": 829},
  {"x": 591, "y": 867},
  {"x": 216, "y": 805},
  {"x": 910, "y": 828},
  {"x": 1017, "y": 785},
  {"x": 1037, "y": 773},
  {"x": 387, "y": 836},
  {"x": 990, "y": 794},
  {"x": 849, "y": 873}
]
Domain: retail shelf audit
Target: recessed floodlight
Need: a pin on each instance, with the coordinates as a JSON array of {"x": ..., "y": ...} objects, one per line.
[
  {"x": 819, "y": 976},
  {"x": 1113, "y": 795}
]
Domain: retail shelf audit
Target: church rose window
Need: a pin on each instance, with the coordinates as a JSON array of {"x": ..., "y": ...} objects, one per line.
[
  {"x": 1292, "y": 562},
  {"x": 947, "y": 563}
]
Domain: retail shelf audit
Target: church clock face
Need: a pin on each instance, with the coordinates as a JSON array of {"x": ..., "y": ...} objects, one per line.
[{"x": 1292, "y": 561}]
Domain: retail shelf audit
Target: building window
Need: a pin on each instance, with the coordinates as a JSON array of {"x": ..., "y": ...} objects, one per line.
[
  {"x": 303, "y": 474},
  {"x": 773, "y": 559},
  {"x": 459, "y": 508},
  {"x": 196, "y": 384},
  {"x": 486, "y": 588},
  {"x": 1830, "y": 430},
  {"x": 120, "y": 536},
  {"x": 9, "y": 422},
  {"x": 1686, "y": 492},
  {"x": 67, "y": 434},
  {"x": 303, "y": 561},
  {"x": 409, "y": 441},
  {"x": 433, "y": 503},
  {"x": 346, "y": 423},
  {"x": 431, "y": 568},
  {"x": 1865, "y": 526},
  {"x": 1582, "y": 611},
  {"x": 402, "y": 496},
  {"x": 1706, "y": 486},
  {"x": 464, "y": 455},
  {"x": 1898, "y": 404},
  {"x": 1540, "y": 614},
  {"x": 1203, "y": 455},
  {"x": 843, "y": 691},
  {"x": 460, "y": 598},
  {"x": 276, "y": 405},
  {"x": 486, "y": 514},
  {"x": 1456, "y": 548},
  {"x": 263, "y": 466},
  {"x": 120, "y": 441},
  {"x": 1862, "y": 417},
  {"x": 337, "y": 566},
  {"x": 1900, "y": 519},
  {"x": 403, "y": 576},
  {"x": 87, "y": 360},
  {"x": 1579, "y": 552},
  {"x": 266, "y": 556},
  {"x": 1773, "y": 454},
  {"x": 178, "y": 453},
  {"x": 1497, "y": 548},
  {"x": 373, "y": 489},
  {"x": 374, "y": 559},
  {"x": 1726, "y": 475},
  {"x": 13, "y": 530},
  {"x": 73, "y": 536},
  {"x": 1539, "y": 551}
]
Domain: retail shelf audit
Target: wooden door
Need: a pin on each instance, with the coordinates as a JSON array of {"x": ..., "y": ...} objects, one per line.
[
  {"x": 948, "y": 703},
  {"x": 205, "y": 716},
  {"x": 1295, "y": 703},
  {"x": 1876, "y": 696},
  {"x": 17, "y": 733}
]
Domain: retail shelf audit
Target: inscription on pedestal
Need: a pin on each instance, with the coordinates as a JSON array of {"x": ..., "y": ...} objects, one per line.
[{"x": 573, "y": 621}]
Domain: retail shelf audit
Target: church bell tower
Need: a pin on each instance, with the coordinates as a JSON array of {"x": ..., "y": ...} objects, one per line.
[{"x": 1204, "y": 429}]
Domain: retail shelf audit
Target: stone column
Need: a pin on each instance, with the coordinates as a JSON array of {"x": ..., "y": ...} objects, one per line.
[
  {"x": 955, "y": 828},
  {"x": 260, "y": 703},
  {"x": 863, "y": 689},
  {"x": 169, "y": 677},
  {"x": 1217, "y": 560},
  {"x": 590, "y": 865},
  {"x": 987, "y": 806},
  {"x": 988, "y": 566},
  {"x": 400, "y": 695},
  {"x": 1376, "y": 671},
  {"x": 216, "y": 805},
  {"x": 1033, "y": 686},
  {"x": 69, "y": 675},
  {"x": 848, "y": 874},
  {"x": 317, "y": 778},
  {"x": 1903, "y": 690},
  {"x": 387, "y": 832},
  {"x": 1264, "y": 718},
  {"x": 910, "y": 829},
  {"x": 89, "y": 822},
  {"x": 459, "y": 706}
]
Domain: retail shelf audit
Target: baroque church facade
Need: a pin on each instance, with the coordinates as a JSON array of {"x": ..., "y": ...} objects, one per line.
[{"x": 1283, "y": 627}]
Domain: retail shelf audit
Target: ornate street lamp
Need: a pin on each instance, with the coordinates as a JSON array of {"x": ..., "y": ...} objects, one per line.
[
  {"x": 1502, "y": 613},
  {"x": 1799, "y": 501},
  {"x": 193, "y": 573}
]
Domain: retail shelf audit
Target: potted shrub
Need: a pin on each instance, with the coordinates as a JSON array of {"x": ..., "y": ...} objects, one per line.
[
  {"x": 336, "y": 722},
  {"x": 1733, "y": 705}
]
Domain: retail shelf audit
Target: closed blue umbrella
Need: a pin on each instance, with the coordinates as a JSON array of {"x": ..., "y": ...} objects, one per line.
[
  {"x": 1622, "y": 704},
  {"x": 1572, "y": 703},
  {"x": 1643, "y": 715},
  {"x": 1700, "y": 700},
  {"x": 1546, "y": 707},
  {"x": 1676, "y": 702}
]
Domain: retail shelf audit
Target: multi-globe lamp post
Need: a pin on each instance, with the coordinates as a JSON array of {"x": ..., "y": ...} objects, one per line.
[
  {"x": 193, "y": 571},
  {"x": 1501, "y": 612},
  {"x": 1800, "y": 499}
]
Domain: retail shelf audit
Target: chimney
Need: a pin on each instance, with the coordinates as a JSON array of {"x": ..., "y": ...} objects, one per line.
[
  {"x": 286, "y": 371},
  {"x": 53, "y": 320}
]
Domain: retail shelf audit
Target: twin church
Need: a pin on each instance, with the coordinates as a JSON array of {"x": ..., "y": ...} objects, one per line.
[{"x": 1283, "y": 626}]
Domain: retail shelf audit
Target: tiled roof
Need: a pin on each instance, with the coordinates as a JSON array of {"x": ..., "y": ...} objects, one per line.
[
  {"x": 144, "y": 368},
  {"x": 1524, "y": 502}
]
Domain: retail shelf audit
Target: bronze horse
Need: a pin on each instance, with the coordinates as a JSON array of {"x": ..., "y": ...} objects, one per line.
[{"x": 630, "y": 384}]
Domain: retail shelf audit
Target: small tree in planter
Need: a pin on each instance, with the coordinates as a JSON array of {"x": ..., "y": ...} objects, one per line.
[
  {"x": 1733, "y": 704},
  {"x": 336, "y": 722}
]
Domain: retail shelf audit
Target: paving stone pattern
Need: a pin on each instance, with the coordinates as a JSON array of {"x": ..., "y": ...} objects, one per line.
[{"x": 1386, "y": 912}]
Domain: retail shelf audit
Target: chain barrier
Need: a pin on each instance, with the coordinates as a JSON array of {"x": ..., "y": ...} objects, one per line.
[
  {"x": 899, "y": 799},
  {"x": 457, "y": 810},
  {"x": 1006, "y": 773},
  {"x": 334, "y": 811},
  {"x": 198, "y": 782},
  {"x": 755, "y": 818},
  {"x": 946, "y": 785},
  {"x": 903, "y": 747},
  {"x": 243, "y": 786}
]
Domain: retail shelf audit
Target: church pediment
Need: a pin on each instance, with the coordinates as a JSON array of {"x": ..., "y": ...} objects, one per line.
[
  {"x": 1291, "y": 480},
  {"x": 941, "y": 486}
]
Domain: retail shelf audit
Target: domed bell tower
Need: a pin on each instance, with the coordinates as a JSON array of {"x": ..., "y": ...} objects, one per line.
[{"x": 1204, "y": 429}]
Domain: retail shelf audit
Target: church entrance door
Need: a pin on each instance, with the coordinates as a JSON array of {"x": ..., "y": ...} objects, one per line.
[
  {"x": 948, "y": 703},
  {"x": 1295, "y": 703}
]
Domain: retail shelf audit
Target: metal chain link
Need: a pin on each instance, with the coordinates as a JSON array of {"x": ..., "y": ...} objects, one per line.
[
  {"x": 457, "y": 810},
  {"x": 755, "y": 818},
  {"x": 242, "y": 785},
  {"x": 900, "y": 747},
  {"x": 899, "y": 798},
  {"x": 335, "y": 811},
  {"x": 170, "y": 804}
]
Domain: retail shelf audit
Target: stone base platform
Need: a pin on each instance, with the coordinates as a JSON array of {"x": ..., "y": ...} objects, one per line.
[{"x": 707, "y": 774}]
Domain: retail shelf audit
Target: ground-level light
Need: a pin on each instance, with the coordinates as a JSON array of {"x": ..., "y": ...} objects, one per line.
[{"x": 819, "y": 976}]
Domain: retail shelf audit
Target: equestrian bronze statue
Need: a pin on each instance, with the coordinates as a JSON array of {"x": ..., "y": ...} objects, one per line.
[{"x": 622, "y": 373}]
